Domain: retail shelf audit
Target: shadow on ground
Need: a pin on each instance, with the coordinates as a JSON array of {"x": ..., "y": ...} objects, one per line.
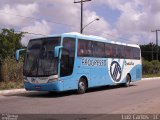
[{"x": 39, "y": 94}]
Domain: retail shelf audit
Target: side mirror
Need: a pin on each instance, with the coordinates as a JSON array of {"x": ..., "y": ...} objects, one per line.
[
  {"x": 17, "y": 53},
  {"x": 56, "y": 50}
]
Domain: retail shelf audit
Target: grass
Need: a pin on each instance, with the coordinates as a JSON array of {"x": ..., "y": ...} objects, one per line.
[
  {"x": 150, "y": 75},
  {"x": 11, "y": 85}
]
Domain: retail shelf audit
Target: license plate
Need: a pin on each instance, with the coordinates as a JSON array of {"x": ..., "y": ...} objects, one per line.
[{"x": 38, "y": 87}]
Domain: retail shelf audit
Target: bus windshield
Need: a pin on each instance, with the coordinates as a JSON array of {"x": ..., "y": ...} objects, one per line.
[{"x": 39, "y": 60}]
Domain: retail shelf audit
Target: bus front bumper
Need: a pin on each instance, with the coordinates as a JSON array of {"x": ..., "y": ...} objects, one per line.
[{"x": 52, "y": 86}]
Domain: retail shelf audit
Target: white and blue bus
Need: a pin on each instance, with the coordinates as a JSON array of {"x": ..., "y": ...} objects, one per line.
[{"x": 72, "y": 61}]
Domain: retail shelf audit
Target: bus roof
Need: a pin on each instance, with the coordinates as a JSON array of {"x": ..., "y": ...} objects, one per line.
[
  {"x": 97, "y": 38},
  {"x": 92, "y": 37}
]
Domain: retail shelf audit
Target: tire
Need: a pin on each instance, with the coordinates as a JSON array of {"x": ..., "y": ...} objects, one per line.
[
  {"x": 51, "y": 92},
  {"x": 82, "y": 86},
  {"x": 128, "y": 81}
]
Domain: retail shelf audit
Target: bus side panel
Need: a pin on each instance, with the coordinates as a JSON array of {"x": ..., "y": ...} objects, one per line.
[
  {"x": 134, "y": 68},
  {"x": 136, "y": 73},
  {"x": 99, "y": 75},
  {"x": 71, "y": 82},
  {"x": 95, "y": 69},
  {"x": 122, "y": 67}
]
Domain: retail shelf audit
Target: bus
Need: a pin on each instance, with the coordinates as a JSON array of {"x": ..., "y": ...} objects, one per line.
[{"x": 72, "y": 61}]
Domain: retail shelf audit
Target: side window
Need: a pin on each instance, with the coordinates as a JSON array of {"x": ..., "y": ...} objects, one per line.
[
  {"x": 136, "y": 53},
  {"x": 128, "y": 52},
  {"x": 120, "y": 51},
  {"x": 67, "y": 58},
  {"x": 108, "y": 50},
  {"x": 114, "y": 49},
  {"x": 84, "y": 48},
  {"x": 101, "y": 49},
  {"x": 98, "y": 49},
  {"x": 88, "y": 48}
]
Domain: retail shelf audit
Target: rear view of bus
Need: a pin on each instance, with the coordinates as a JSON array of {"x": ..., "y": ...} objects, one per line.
[{"x": 72, "y": 61}]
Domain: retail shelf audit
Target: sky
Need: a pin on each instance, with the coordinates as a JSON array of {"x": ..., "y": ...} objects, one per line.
[{"x": 129, "y": 21}]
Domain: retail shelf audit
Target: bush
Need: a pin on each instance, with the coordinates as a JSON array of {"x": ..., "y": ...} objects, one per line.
[
  {"x": 11, "y": 70},
  {"x": 11, "y": 85},
  {"x": 147, "y": 67},
  {"x": 152, "y": 67},
  {"x": 156, "y": 66}
]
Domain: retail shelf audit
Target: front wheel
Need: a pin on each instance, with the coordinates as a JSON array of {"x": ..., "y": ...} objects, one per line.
[
  {"x": 128, "y": 81},
  {"x": 82, "y": 86}
]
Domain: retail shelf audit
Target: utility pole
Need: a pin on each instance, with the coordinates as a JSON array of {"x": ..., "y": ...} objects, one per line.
[
  {"x": 152, "y": 51},
  {"x": 81, "y": 1},
  {"x": 156, "y": 42}
]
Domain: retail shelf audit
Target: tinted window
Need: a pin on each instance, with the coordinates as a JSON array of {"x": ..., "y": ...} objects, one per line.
[
  {"x": 114, "y": 51},
  {"x": 39, "y": 60},
  {"x": 108, "y": 50},
  {"x": 84, "y": 48},
  {"x": 98, "y": 49},
  {"x": 128, "y": 52},
  {"x": 136, "y": 53},
  {"x": 120, "y": 51},
  {"x": 68, "y": 55},
  {"x": 88, "y": 48}
]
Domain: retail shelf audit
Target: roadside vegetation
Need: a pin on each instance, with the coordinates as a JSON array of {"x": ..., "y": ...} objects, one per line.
[
  {"x": 150, "y": 68},
  {"x": 11, "y": 75},
  {"x": 10, "y": 70}
]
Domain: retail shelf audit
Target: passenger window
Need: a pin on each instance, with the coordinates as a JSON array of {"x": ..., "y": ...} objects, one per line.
[
  {"x": 114, "y": 49},
  {"x": 136, "y": 53},
  {"x": 120, "y": 50},
  {"x": 128, "y": 52},
  {"x": 98, "y": 49},
  {"x": 108, "y": 50},
  {"x": 84, "y": 48}
]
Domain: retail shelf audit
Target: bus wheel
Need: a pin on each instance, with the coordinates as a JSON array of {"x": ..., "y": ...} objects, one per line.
[
  {"x": 82, "y": 86},
  {"x": 128, "y": 81}
]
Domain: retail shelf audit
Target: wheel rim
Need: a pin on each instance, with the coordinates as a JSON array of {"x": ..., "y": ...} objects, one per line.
[
  {"x": 82, "y": 86},
  {"x": 128, "y": 80}
]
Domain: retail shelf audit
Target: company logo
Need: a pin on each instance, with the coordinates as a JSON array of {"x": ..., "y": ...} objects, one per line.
[{"x": 115, "y": 71}]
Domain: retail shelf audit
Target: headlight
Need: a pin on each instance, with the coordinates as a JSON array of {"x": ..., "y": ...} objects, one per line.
[
  {"x": 25, "y": 79},
  {"x": 52, "y": 80}
]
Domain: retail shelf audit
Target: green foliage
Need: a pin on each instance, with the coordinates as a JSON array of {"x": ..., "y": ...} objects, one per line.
[
  {"x": 149, "y": 51},
  {"x": 156, "y": 66},
  {"x": 151, "y": 67},
  {"x": 147, "y": 67},
  {"x": 9, "y": 43}
]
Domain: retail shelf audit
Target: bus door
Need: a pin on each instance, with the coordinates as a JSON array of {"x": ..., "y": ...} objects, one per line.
[{"x": 67, "y": 63}]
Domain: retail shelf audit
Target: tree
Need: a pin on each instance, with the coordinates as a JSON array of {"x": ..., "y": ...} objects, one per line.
[
  {"x": 9, "y": 43},
  {"x": 149, "y": 51}
]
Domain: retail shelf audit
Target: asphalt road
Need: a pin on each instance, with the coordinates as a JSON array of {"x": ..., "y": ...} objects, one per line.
[{"x": 141, "y": 97}]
